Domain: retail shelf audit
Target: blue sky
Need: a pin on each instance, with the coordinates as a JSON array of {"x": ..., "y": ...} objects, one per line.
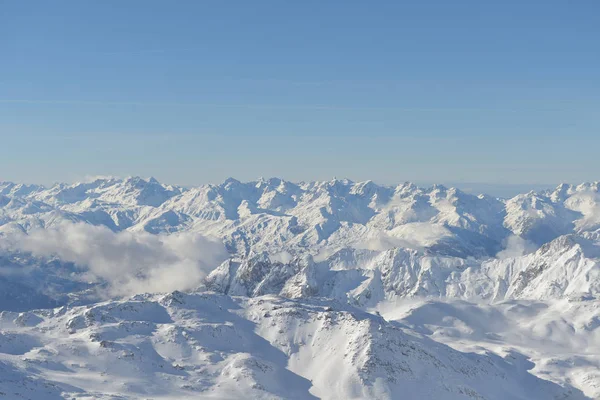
[{"x": 196, "y": 91}]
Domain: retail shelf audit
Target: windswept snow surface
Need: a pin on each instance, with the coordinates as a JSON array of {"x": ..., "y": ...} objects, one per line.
[{"x": 277, "y": 289}]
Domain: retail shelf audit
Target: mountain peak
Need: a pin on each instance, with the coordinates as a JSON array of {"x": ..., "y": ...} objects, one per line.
[{"x": 231, "y": 181}]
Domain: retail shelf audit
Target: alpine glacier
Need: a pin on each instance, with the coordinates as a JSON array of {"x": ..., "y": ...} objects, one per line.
[{"x": 130, "y": 288}]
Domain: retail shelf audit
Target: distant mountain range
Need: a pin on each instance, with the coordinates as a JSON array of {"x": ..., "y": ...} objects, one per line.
[{"x": 300, "y": 217}]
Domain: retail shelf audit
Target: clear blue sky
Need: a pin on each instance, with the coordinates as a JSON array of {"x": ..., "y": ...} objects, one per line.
[{"x": 196, "y": 91}]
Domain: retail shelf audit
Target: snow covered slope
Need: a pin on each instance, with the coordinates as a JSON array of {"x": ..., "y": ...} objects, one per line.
[
  {"x": 560, "y": 339},
  {"x": 567, "y": 267},
  {"x": 202, "y": 344}
]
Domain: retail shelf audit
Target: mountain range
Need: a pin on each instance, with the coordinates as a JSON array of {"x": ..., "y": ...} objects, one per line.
[
  {"x": 277, "y": 289},
  {"x": 302, "y": 217}
]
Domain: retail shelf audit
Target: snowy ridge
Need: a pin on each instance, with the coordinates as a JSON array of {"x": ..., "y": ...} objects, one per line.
[{"x": 567, "y": 267}]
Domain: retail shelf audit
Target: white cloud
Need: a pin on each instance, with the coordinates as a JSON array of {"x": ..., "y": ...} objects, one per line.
[
  {"x": 129, "y": 262},
  {"x": 282, "y": 257},
  {"x": 516, "y": 246},
  {"x": 415, "y": 235},
  {"x": 588, "y": 204}
]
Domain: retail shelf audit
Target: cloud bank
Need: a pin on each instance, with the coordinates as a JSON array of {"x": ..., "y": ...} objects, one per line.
[{"x": 128, "y": 262}]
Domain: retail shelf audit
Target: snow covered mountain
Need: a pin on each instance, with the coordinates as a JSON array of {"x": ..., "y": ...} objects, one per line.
[
  {"x": 567, "y": 267},
  {"x": 268, "y": 214},
  {"x": 282, "y": 282},
  {"x": 210, "y": 346}
]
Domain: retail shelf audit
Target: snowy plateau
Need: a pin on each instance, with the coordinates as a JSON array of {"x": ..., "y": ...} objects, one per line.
[{"x": 133, "y": 289}]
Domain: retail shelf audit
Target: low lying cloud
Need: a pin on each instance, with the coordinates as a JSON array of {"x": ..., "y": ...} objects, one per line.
[
  {"x": 282, "y": 257},
  {"x": 588, "y": 204},
  {"x": 415, "y": 235},
  {"x": 130, "y": 262},
  {"x": 516, "y": 246}
]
